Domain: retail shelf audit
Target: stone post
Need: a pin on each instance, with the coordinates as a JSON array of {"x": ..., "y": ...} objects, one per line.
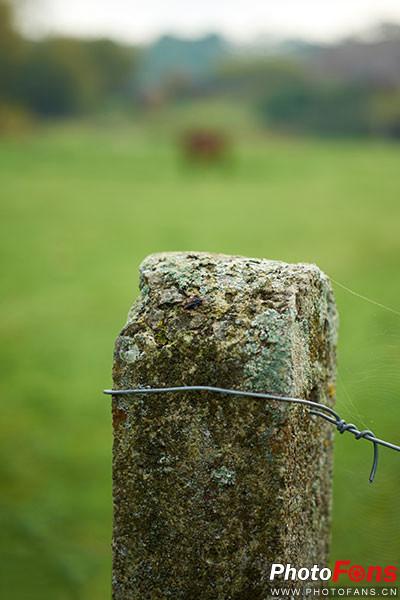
[{"x": 210, "y": 490}]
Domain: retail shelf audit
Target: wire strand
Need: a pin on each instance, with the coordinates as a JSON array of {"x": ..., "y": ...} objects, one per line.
[{"x": 324, "y": 412}]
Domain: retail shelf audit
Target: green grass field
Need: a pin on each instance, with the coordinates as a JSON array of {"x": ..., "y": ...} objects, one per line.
[{"x": 80, "y": 209}]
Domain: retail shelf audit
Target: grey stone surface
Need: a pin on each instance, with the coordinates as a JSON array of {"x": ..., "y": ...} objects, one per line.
[{"x": 210, "y": 490}]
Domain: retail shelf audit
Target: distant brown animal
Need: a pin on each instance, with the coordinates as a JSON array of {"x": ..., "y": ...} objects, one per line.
[{"x": 205, "y": 146}]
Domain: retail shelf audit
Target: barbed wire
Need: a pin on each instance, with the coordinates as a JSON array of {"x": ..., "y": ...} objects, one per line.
[{"x": 319, "y": 410}]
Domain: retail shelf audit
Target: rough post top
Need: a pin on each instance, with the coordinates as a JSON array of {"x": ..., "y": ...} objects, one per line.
[
  {"x": 175, "y": 259},
  {"x": 228, "y": 320},
  {"x": 178, "y": 276}
]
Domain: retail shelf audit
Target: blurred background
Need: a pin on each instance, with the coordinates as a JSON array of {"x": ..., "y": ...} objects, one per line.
[{"x": 264, "y": 129}]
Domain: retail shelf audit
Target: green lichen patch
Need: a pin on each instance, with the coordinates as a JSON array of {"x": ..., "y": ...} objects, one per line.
[{"x": 209, "y": 490}]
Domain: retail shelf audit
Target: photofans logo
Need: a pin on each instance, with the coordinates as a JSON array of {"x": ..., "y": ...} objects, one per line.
[{"x": 372, "y": 580}]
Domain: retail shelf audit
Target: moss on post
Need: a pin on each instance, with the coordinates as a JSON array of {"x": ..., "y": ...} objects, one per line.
[{"x": 210, "y": 490}]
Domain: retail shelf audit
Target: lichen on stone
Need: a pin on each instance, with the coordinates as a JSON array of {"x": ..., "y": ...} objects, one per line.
[{"x": 209, "y": 490}]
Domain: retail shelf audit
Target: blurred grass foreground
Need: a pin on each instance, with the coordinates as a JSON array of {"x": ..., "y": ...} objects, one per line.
[
  {"x": 80, "y": 209},
  {"x": 87, "y": 193}
]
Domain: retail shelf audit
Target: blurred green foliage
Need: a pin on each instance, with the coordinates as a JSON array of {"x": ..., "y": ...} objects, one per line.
[
  {"x": 59, "y": 77},
  {"x": 291, "y": 97},
  {"x": 302, "y": 106},
  {"x": 384, "y": 113},
  {"x": 11, "y": 54},
  {"x": 62, "y": 77}
]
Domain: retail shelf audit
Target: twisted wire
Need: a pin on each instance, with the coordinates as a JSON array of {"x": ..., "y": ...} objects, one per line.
[{"x": 315, "y": 408}]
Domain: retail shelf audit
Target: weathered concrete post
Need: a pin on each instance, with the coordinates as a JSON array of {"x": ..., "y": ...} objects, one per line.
[{"x": 210, "y": 490}]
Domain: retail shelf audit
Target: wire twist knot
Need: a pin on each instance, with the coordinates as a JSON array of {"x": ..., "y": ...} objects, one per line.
[{"x": 314, "y": 408}]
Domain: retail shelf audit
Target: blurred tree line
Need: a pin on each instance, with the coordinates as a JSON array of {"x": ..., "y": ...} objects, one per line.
[
  {"x": 296, "y": 95},
  {"x": 349, "y": 88},
  {"x": 59, "y": 77}
]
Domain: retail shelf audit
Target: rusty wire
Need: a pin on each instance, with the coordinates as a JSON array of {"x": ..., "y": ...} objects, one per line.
[{"x": 319, "y": 410}]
